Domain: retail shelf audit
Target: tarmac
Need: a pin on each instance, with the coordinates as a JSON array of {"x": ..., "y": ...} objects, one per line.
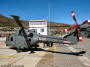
[
  {"x": 60, "y": 55},
  {"x": 9, "y": 57}
]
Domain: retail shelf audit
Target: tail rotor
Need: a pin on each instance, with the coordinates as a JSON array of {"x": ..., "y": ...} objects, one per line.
[{"x": 77, "y": 27}]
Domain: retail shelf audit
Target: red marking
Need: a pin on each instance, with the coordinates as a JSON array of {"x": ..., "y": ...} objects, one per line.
[
  {"x": 80, "y": 35},
  {"x": 67, "y": 41},
  {"x": 76, "y": 25},
  {"x": 67, "y": 29},
  {"x": 64, "y": 30},
  {"x": 72, "y": 12},
  {"x": 73, "y": 27},
  {"x": 6, "y": 36},
  {"x": 80, "y": 40},
  {"x": 86, "y": 21},
  {"x": 78, "y": 31},
  {"x": 73, "y": 16},
  {"x": 75, "y": 20}
]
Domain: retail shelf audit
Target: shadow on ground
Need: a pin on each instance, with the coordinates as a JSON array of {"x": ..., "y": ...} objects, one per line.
[{"x": 40, "y": 49}]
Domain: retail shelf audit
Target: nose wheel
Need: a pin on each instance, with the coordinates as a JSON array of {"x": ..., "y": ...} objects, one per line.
[{"x": 18, "y": 50}]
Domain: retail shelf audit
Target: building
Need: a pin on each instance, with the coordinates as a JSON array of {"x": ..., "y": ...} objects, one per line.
[{"x": 40, "y": 26}]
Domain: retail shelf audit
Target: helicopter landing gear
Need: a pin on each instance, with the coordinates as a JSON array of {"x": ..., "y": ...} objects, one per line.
[
  {"x": 36, "y": 47},
  {"x": 18, "y": 50},
  {"x": 32, "y": 52}
]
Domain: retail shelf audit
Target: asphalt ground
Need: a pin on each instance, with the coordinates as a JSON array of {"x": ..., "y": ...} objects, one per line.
[
  {"x": 10, "y": 58},
  {"x": 65, "y": 55},
  {"x": 66, "y": 58},
  {"x": 60, "y": 55}
]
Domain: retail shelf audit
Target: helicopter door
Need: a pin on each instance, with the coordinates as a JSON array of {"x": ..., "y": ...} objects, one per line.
[{"x": 12, "y": 40}]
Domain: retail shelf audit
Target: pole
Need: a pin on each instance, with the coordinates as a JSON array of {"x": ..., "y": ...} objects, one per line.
[{"x": 49, "y": 10}]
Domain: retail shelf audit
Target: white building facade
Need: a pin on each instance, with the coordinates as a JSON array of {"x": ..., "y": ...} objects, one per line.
[{"x": 40, "y": 26}]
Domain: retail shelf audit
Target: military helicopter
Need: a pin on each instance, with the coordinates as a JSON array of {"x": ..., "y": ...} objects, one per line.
[{"x": 28, "y": 39}]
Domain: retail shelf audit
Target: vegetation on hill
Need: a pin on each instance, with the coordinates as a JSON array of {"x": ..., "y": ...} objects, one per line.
[
  {"x": 8, "y": 22},
  {"x": 55, "y": 28}
]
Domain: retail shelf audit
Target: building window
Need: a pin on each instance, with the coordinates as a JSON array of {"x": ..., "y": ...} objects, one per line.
[
  {"x": 42, "y": 30},
  {"x": 34, "y": 30}
]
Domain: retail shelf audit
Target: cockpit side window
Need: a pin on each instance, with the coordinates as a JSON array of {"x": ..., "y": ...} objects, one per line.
[{"x": 11, "y": 38}]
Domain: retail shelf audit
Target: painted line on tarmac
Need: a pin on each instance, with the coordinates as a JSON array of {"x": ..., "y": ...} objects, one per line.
[
  {"x": 37, "y": 54},
  {"x": 55, "y": 49},
  {"x": 83, "y": 58},
  {"x": 24, "y": 55}
]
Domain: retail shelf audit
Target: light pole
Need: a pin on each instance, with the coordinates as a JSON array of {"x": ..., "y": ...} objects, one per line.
[{"x": 49, "y": 10}]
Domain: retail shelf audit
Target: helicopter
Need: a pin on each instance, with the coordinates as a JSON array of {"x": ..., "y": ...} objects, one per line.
[{"x": 28, "y": 39}]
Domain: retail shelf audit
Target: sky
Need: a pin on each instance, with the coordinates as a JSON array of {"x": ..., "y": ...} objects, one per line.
[{"x": 53, "y": 10}]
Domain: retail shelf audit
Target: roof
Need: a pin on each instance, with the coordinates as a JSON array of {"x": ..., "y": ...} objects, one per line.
[{"x": 38, "y": 21}]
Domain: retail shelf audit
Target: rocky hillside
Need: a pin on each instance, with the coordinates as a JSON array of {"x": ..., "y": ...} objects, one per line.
[
  {"x": 55, "y": 28},
  {"x": 8, "y": 22}
]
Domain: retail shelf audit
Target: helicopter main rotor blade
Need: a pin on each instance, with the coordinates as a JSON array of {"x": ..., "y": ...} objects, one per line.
[{"x": 22, "y": 30}]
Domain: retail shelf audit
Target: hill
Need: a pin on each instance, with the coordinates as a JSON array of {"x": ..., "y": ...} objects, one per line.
[
  {"x": 8, "y": 22},
  {"x": 55, "y": 28}
]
